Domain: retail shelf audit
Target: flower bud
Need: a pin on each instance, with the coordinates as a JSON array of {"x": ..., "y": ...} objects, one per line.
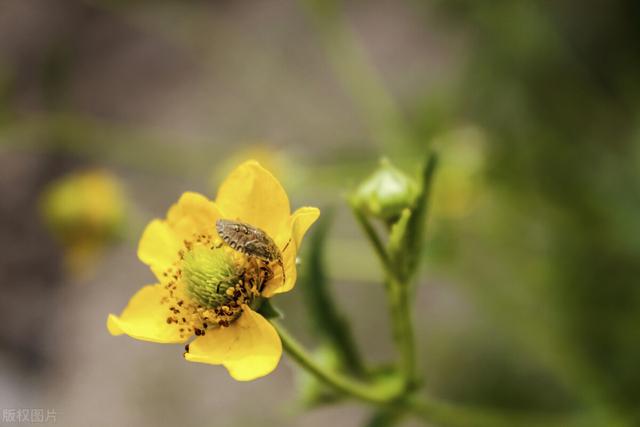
[
  {"x": 386, "y": 193},
  {"x": 459, "y": 187}
]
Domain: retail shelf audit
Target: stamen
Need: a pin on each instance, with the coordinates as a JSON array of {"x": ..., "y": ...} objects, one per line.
[{"x": 207, "y": 286}]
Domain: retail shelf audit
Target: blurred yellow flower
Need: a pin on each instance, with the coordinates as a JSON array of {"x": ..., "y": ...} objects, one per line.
[
  {"x": 277, "y": 161},
  {"x": 208, "y": 289},
  {"x": 84, "y": 211},
  {"x": 459, "y": 182}
]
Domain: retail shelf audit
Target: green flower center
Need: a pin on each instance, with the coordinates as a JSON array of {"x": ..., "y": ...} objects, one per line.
[
  {"x": 209, "y": 284},
  {"x": 210, "y": 275}
]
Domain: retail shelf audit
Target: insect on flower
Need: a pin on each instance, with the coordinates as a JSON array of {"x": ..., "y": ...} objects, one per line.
[
  {"x": 206, "y": 294},
  {"x": 251, "y": 241}
]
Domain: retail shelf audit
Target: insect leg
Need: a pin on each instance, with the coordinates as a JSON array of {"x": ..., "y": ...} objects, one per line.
[
  {"x": 284, "y": 275},
  {"x": 268, "y": 275}
]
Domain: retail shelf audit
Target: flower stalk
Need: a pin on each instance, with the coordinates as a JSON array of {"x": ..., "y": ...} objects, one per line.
[
  {"x": 402, "y": 321},
  {"x": 399, "y": 257},
  {"x": 338, "y": 381}
]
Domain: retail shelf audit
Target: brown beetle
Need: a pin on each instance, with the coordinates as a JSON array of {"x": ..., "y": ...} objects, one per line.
[{"x": 251, "y": 241}]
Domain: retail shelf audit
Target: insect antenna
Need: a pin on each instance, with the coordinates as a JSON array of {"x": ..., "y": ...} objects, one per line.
[{"x": 286, "y": 245}]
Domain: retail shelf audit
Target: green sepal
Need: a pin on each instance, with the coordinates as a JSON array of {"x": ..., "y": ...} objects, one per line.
[
  {"x": 268, "y": 310},
  {"x": 416, "y": 223},
  {"x": 385, "y": 193},
  {"x": 396, "y": 246}
]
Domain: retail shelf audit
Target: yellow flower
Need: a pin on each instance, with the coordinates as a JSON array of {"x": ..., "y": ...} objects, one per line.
[
  {"x": 208, "y": 289},
  {"x": 85, "y": 211}
]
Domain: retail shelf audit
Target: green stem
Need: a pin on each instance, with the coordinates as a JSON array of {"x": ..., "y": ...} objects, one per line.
[
  {"x": 372, "y": 235},
  {"x": 401, "y": 316},
  {"x": 340, "y": 382},
  {"x": 399, "y": 306},
  {"x": 405, "y": 256}
]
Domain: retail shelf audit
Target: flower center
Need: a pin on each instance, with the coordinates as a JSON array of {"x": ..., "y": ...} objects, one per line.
[
  {"x": 208, "y": 274},
  {"x": 208, "y": 284}
]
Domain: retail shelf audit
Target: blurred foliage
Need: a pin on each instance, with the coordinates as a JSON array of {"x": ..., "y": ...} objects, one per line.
[
  {"x": 552, "y": 85},
  {"x": 460, "y": 185}
]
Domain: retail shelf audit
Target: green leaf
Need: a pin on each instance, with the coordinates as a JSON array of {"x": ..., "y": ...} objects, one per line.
[
  {"x": 416, "y": 224},
  {"x": 321, "y": 306}
]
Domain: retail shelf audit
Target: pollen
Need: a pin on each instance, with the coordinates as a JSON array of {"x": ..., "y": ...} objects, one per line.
[{"x": 208, "y": 284}]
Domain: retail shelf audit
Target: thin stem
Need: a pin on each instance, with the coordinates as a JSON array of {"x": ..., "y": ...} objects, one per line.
[
  {"x": 338, "y": 381},
  {"x": 403, "y": 329},
  {"x": 373, "y": 237},
  {"x": 400, "y": 274},
  {"x": 399, "y": 306}
]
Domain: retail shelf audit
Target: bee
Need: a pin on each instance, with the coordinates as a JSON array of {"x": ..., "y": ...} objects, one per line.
[{"x": 251, "y": 241}]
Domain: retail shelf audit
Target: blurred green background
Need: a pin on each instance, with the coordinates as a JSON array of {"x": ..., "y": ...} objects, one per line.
[{"x": 529, "y": 297}]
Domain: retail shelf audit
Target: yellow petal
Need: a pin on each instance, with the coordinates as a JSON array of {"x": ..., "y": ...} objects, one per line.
[
  {"x": 249, "y": 348},
  {"x": 193, "y": 214},
  {"x": 252, "y": 194},
  {"x": 145, "y": 318},
  {"x": 158, "y": 247},
  {"x": 300, "y": 222},
  {"x": 275, "y": 285}
]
